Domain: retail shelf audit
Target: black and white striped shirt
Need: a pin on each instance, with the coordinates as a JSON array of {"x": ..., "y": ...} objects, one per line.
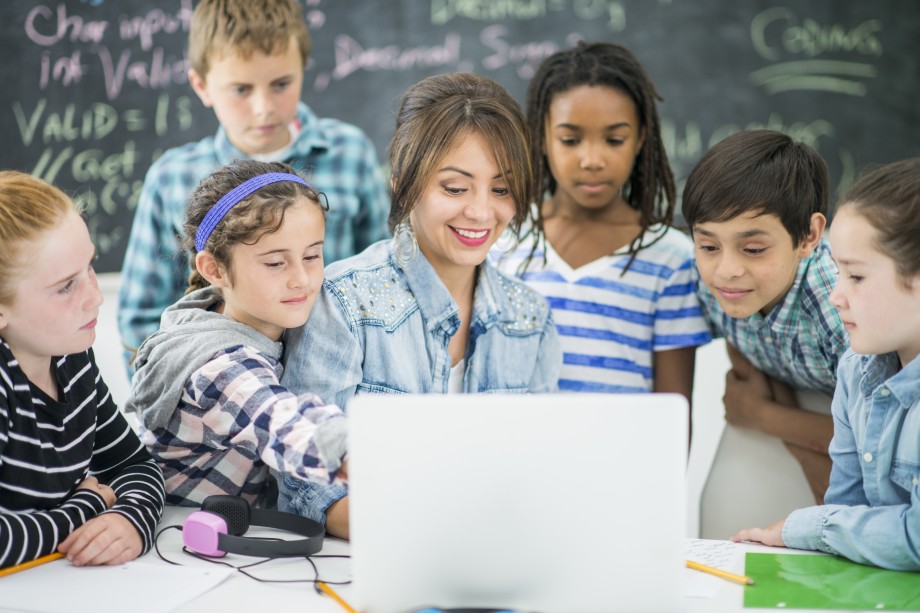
[{"x": 47, "y": 447}]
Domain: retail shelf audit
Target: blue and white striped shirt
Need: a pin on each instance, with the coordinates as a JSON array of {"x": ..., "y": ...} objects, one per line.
[
  {"x": 802, "y": 338},
  {"x": 610, "y": 323}
]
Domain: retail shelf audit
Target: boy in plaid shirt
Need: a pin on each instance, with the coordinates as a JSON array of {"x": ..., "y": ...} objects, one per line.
[
  {"x": 756, "y": 206},
  {"x": 252, "y": 77}
]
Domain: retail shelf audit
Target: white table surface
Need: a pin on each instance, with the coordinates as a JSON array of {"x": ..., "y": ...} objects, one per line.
[{"x": 239, "y": 593}]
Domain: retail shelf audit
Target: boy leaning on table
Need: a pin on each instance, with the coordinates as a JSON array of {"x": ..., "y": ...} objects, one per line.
[{"x": 756, "y": 205}]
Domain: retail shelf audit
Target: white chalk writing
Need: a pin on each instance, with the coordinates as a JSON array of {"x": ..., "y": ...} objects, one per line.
[{"x": 351, "y": 56}]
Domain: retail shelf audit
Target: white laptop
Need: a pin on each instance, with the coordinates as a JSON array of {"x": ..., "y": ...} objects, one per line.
[{"x": 554, "y": 503}]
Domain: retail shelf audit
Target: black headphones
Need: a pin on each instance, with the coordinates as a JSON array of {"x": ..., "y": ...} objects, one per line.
[{"x": 218, "y": 527}]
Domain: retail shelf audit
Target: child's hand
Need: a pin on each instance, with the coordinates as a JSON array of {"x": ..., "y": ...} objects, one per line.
[
  {"x": 744, "y": 398},
  {"x": 740, "y": 364},
  {"x": 107, "y": 493},
  {"x": 771, "y": 535},
  {"x": 783, "y": 393},
  {"x": 337, "y": 519},
  {"x": 106, "y": 539}
]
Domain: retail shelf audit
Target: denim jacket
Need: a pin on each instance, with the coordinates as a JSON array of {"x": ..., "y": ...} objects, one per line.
[
  {"x": 872, "y": 510},
  {"x": 380, "y": 328}
]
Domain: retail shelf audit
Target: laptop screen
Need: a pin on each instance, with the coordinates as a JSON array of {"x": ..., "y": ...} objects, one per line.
[{"x": 546, "y": 502}]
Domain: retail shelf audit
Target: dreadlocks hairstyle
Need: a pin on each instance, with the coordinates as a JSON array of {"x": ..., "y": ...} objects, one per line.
[{"x": 650, "y": 189}]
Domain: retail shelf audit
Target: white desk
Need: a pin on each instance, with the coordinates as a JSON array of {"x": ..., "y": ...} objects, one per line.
[{"x": 238, "y": 593}]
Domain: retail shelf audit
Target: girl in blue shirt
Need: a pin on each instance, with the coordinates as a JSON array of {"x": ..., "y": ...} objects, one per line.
[
  {"x": 426, "y": 312},
  {"x": 871, "y": 513}
]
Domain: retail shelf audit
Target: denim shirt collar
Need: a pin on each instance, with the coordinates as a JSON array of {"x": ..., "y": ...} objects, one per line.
[
  {"x": 434, "y": 301},
  {"x": 491, "y": 300},
  {"x": 311, "y": 137},
  {"x": 885, "y": 369},
  {"x": 439, "y": 309}
]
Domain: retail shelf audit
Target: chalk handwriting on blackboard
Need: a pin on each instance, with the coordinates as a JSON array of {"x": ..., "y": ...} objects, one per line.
[
  {"x": 610, "y": 11},
  {"x": 156, "y": 68},
  {"x": 93, "y": 124},
  {"x": 780, "y": 28},
  {"x": 100, "y": 89},
  {"x": 46, "y": 26}
]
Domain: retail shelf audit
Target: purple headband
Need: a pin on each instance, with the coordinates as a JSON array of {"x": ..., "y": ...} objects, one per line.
[{"x": 231, "y": 198}]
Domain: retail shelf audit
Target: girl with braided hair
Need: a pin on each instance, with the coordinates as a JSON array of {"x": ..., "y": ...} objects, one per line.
[{"x": 602, "y": 248}]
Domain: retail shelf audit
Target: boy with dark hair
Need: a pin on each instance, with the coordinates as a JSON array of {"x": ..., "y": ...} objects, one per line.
[
  {"x": 756, "y": 205},
  {"x": 247, "y": 63}
]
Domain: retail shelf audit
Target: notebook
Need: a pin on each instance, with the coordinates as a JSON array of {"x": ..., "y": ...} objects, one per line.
[{"x": 554, "y": 503}]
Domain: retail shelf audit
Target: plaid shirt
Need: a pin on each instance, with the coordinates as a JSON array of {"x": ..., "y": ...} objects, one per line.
[
  {"x": 234, "y": 422},
  {"x": 338, "y": 159},
  {"x": 802, "y": 338}
]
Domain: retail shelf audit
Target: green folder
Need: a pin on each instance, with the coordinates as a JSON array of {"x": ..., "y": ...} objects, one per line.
[{"x": 798, "y": 581}]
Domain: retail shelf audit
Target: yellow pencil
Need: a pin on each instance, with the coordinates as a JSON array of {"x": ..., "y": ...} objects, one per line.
[
  {"x": 51, "y": 557},
  {"x": 718, "y": 572},
  {"x": 334, "y": 596}
]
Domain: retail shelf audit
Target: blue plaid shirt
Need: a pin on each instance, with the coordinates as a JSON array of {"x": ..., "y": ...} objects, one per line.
[
  {"x": 802, "y": 339},
  {"x": 337, "y": 158}
]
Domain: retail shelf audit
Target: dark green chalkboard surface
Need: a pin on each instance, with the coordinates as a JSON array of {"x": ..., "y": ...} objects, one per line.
[{"x": 94, "y": 90}]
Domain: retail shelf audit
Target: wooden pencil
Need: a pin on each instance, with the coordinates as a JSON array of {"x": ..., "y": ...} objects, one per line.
[
  {"x": 51, "y": 557},
  {"x": 329, "y": 592},
  {"x": 718, "y": 572}
]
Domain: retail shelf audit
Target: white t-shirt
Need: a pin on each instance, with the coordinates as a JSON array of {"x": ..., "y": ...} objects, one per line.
[
  {"x": 455, "y": 381},
  {"x": 284, "y": 153}
]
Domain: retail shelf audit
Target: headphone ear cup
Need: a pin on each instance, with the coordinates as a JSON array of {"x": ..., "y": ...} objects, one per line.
[
  {"x": 201, "y": 532},
  {"x": 236, "y": 510}
]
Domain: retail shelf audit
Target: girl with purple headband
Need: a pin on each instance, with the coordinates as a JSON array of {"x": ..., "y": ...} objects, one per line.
[{"x": 207, "y": 389}]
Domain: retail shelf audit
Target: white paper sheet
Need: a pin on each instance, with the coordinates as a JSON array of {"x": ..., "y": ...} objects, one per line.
[
  {"x": 725, "y": 555},
  {"x": 137, "y": 586}
]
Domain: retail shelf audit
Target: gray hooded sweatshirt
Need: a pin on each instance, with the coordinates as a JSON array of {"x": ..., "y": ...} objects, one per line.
[{"x": 190, "y": 335}]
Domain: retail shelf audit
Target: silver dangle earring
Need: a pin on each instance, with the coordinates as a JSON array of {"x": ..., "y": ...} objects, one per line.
[{"x": 405, "y": 246}]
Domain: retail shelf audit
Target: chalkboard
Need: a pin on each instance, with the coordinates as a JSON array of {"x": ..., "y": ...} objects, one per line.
[{"x": 95, "y": 90}]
